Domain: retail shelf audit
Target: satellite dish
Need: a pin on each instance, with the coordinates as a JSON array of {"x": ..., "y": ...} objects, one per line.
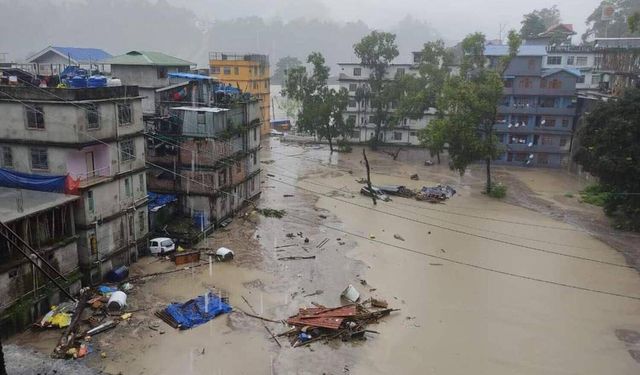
[
  {"x": 530, "y": 144},
  {"x": 530, "y": 156}
]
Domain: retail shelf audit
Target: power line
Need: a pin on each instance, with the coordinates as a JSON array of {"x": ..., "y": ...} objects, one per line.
[{"x": 457, "y": 230}]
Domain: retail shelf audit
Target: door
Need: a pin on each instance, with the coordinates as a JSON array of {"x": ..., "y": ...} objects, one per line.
[{"x": 91, "y": 168}]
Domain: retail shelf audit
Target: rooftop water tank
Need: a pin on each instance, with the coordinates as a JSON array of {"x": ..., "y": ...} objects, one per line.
[
  {"x": 97, "y": 81},
  {"x": 78, "y": 82}
]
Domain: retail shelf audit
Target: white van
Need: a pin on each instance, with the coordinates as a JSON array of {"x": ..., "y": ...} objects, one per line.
[{"x": 161, "y": 246}]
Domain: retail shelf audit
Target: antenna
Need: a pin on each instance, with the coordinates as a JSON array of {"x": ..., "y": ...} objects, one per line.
[{"x": 501, "y": 26}]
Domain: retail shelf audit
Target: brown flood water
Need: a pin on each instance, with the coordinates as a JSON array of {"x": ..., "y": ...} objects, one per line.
[{"x": 484, "y": 287}]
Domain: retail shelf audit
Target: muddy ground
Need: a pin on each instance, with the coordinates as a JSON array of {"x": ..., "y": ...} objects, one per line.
[{"x": 530, "y": 285}]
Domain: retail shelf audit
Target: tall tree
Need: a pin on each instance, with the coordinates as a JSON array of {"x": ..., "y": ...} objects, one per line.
[
  {"x": 619, "y": 26},
  {"x": 539, "y": 21},
  {"x": 470, "y": 101},
  {"x": 322, "y": 108},
  {"x": 609, "y": 148},
  {"x": 376, "y": 51},
  {"x": 283, "y": 66}
]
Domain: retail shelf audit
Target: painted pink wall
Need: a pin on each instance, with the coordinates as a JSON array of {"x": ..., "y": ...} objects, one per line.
[{"x": 77, "y": 165}]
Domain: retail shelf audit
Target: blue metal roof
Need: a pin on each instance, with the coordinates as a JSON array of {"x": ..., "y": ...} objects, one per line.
[
  {"x": 190, "y": 76},
  {"x": 548, "y": 72},
  {"x": 525, "y": 50},
  {"x": 83, "y": 54}
]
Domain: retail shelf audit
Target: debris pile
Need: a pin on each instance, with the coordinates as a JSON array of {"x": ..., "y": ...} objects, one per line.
[
  {"x": 346, "y": 322},
  {"x": 270, "y": 212},
  {"x": 194, "y": 312},
  {"x": 435, "y": 194}
]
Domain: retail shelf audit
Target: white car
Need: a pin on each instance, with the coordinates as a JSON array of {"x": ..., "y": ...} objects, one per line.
[{"x": 161, "y": 246}]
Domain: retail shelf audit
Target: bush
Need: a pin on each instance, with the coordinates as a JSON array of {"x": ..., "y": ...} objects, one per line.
[
  {"x": 498, "y": 191},
  {"x": 596, "y": 195}
]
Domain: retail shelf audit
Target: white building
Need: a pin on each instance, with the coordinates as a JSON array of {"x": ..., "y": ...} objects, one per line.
[
  {"x": 353, "y": 77},
  {"x": 582, "y": 58}
]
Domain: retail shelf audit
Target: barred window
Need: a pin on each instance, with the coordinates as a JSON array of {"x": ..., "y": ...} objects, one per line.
[
  {"x": 35, "y": 116},
  {"x": 127, "y": 150}
]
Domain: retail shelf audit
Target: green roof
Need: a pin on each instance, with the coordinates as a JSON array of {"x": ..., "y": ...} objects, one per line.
[{"x": 146, "y": 58}]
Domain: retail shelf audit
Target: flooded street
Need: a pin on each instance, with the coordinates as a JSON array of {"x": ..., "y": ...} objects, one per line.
[{"x": 483, "y": 286}]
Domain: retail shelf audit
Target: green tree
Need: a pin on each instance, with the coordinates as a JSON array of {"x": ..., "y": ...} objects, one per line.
[
  {"x": 376, "y": 51},
  {"x": 321, "y": 108},
  {"x": 283, "y": 66},
  {"x": 433, "y": 137},
  {"x": 620, "y": 26},
  {"x": 470, "y": 102},
  {"x": 539, "y": 21},
  {"x": 609, "y": 148}
]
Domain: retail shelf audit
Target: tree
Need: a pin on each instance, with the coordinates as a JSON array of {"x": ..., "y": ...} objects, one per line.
[
  {"x": 283, "y": 66},
  {"x": 322, "y": 108},
  {"x": 621, "y": 25},
  {"x": 470, "y": 102},
  {"x": 433, "y": 137},
  {"x": 609, "y": 148},
  {"x": 376, "y": 51},
  {"x": 538, "y": 21}
]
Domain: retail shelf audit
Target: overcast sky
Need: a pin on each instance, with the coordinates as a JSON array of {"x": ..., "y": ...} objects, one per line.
[{"x": 452, "y": 18}]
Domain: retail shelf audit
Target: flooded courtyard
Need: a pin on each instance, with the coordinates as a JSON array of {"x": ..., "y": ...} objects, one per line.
[{"x": 521, "y": 286}]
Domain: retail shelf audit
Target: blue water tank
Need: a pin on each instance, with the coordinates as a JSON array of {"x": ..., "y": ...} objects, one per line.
[
  {"x": 118, "y": 274},
  {"x": 78, "y": 82},
  {"x": 97, "y": 81}
]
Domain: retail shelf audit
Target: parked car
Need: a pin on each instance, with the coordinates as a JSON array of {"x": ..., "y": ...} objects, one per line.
[
  {"x": 379, "y": 194},
  {"x": 399, "y": 190},
  {"x": 276, "y": 133},
  {"x": 161, "y": 246}
]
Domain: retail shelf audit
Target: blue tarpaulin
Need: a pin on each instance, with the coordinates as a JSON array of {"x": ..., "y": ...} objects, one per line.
[
  {"x": 159, "y": 200},
  {"x": 13, "y": 179},
  {"x": 197, "y": 311}
]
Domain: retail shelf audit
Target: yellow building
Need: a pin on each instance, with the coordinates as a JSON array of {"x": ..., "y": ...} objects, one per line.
[{"x": 250, "y": 73}]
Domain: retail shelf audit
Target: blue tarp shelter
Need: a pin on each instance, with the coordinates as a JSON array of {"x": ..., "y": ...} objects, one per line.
[
  {"x": 157, "y": 201},
  {"x": 13, "y": 179},
  {"x": 197, "y": 311}
]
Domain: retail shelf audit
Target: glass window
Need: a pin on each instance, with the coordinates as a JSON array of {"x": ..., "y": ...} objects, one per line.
[
  {"x": 93, "y": 117},
  {"x": 162, "y": 72},
  {"x": 352, "y": 103},
  {"x": 127, "y": 187},
  {"x": 35, "y": 116},
  {"x": 351, "y": 118},
  {"x": 554, "y": 60},
  {"x": 525, "y": 83},
  {"x": 508, "y": 83},
  {"x": 357, "y": 72},
  {"x": 581, "y": 79},
  {"x": 236, "y": 70},
  {"x": 413, "y": 134},
  {"x": 255, "y": 134},
  {"x": 215, "y": 70},
  {"x": 90, "y": 201},
  {"x": 39, "y": 158},
  {"x": 127, "y": 150},
  {"x": 227, "y": 70},
  {"x": 353, "y": 87},
  {"x": 595, "y": 79},
  {"x": 543, "y": 159},
  {"x": 563, "y": 141},
  {"x": 7, "y": 157},
  {"x": 124, "y": 113},
  {"x": 400, "y": 72},
  {"x": 255, "y": 158},
  {"x": 355, "y": 134},
  {"x": 167, "y": 243},
  {"x": 547, "y": 140},
  {"x": 571, "y": 60},
  {"x": 582, "y": 61},
  {"x": 141, "y": 182},
  {"x": 565, "y": 122},
  {"x": 141, "y": 221},
  {"x": 397, "y": 136}
]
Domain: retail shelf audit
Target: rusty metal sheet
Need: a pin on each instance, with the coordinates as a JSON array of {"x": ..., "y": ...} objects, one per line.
[{"x": 330, "y": 323}]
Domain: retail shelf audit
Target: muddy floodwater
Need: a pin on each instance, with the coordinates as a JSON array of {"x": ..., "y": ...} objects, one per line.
[{"x": 483, "y": 286}]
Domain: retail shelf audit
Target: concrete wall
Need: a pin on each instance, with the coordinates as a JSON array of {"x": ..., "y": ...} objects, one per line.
[{"x": 145, "y": 76}]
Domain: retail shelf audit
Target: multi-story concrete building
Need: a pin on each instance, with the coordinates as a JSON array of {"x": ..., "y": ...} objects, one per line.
[
  {"x": 213, "y": 154},
  {"x": 149, "y": 71},
  {"x": 353, "y": 77},
  {"x": 45, "y": 221},
  {"x": 248, "y": 72},
  {"x": 537, "y": 114},
  {"x": 618, "y": 62},
  {"x": 95, "y": 137}
]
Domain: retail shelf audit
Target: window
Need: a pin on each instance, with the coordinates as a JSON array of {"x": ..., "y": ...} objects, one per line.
[
  {"x": 355, "y": 134},
  {"x": 555, "y": 84},
  {"x": 543, "y": 159},
  {"x": 565, "y": 122},
  {"x": 255, "y": 158},
  {"x": 222, "y": 176},
  {"x": 127, "y": 150},
  {"x": 215, "y": 70},
  {"x": 413, "y": 134},
  {"x": 563, "y": 141},
  {"x": 7, "y": 157},
  {"x": 357, "y": 72},
  {"x": 597, "y": 61},
  {"x": 141, "y": 182},
  {"x": 35, "y": 116},
  {"x": 227, "y": 70},
  {"x": 571, "y": 60},
  {"x": 548, "y": 122},
  {"x": 352, "y": 103},
  {"x": 90, "y": 202},
  {"x": 595, "y": 79},
  {"x": 525, "y": 83},
  {"x": 93, "y": 116},
  {"x": 141, "y": 221},
  {"x": 397, "y": 136},
  {"x": 130, "y": 226},
  {"x": 400, "y": 72},
  {"x": 508, "y": 83},
  {"x": 554, "y": 60},
  {"x": 255, "y": 134},
  {"x": 127, "y": 187},
  {"x": 582, "y": 61},
  {"x": 394, "y": 104},
  {"x": 581, "y": 79},
  {"x": 162, "y": 72},
  {"x": 202, "y": 120},
  {"x": 547, "y": 140},
  {"x": 39, "y": 158},
  {"x": 266, "y": 84},
  {"x": 351, "y": 119},
  {"x": 543, "y": 83},
  {"x": 124, "y": 113},
  {"x": 353, "y": 87},
  {"x": 372, "y": 119},
  {"x": 236, "y": 70}
]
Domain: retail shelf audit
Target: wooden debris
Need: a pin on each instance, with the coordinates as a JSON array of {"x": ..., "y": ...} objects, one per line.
[{"x": 298, "y": 257}]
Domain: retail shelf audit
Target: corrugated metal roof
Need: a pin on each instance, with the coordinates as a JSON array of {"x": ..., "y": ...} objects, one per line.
[
  {"x": 77, "y": 54},
  {"x": 525, "y": 50},
  {"x": 201, "y": 109},
  {"x": 549, "y": 72},
  {"x": 147, "y": 58}
]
